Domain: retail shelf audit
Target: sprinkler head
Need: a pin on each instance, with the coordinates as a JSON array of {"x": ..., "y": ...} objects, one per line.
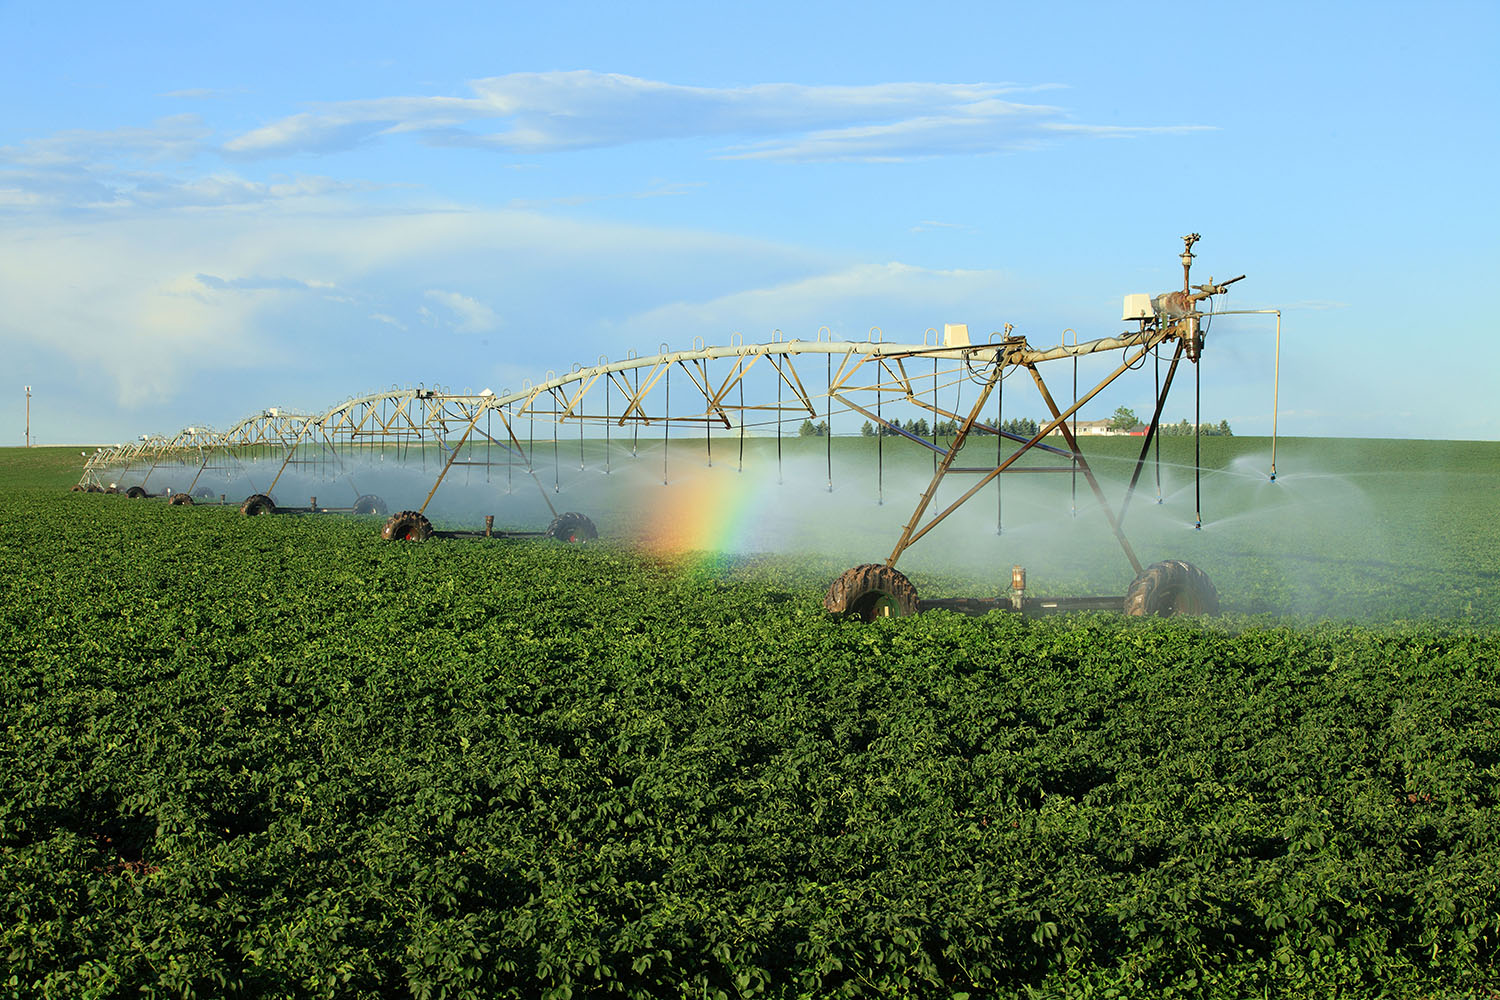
[{"x": 1198, "y": 526}]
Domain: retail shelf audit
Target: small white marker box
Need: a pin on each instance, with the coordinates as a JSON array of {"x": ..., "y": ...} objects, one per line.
[
  {"x": 1138, "y": 306},
  {"x": 955, "y": 335}
]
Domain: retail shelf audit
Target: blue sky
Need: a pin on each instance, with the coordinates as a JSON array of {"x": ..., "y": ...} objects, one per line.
[{"x": 206, "y": 211}]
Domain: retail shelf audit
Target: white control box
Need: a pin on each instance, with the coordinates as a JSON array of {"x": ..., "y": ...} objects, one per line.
[{"x": 1138, "y": 306}]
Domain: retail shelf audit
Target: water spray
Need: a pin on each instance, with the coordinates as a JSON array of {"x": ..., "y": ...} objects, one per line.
[
  {"x": 1197, "y": 444},
  {"x": 424, "y": 418},
  {"x": 828, "y": 419}
]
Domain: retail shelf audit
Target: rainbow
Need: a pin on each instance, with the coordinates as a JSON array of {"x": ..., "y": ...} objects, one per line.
[{"x": 708, "y": 511}]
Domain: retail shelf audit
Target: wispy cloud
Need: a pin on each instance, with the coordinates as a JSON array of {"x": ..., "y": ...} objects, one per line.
[
  {"x": 16, "y": 197},
  {"x": 549, "y": 112},
  {"x": 982, "y": 128},
  {"x": 895, "y": 297},
  {"x": 178, "y": 137},
  {"x": 260, "y": 284},
  {"x": 78, "y": 188},
  {"x": 36, "y": 190},
  {"x": 468, "y": 314},
  {"x": 138, "y": 167},
  {"x": 229, "y": 189},
  {"x": 122, "y": 300},
  {"x": 151, "y": 304},
  {"x": 345, "y": 125},
  {"x": 161, "y": 165}
]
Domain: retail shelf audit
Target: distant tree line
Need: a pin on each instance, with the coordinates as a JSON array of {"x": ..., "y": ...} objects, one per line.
[
  {"x": 1127, "y": 422},
  {"x": 1020, "y": 426},
  {"x": 1023, "y": 426},
  {"x": 917, "y": 426},
  {"x": 1185, "y": 429}
]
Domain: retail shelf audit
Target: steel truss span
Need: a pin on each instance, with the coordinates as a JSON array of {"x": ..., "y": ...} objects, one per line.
[{"x": 733, "y": 390}]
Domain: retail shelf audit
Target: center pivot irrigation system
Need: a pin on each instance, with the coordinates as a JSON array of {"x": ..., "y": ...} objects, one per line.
[{"x": 629, "y": 404}]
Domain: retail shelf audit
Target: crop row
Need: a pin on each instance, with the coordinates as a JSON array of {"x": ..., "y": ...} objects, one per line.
[{"x": 278, "y": 757}]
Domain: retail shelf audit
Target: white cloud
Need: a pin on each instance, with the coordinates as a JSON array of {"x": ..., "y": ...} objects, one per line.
[
  {"x": 66, "y": 187},
  {"x": 158, "y": 305},
  {"x": 229, "y": 189},
  {"x": 471, "y": 315},
  {"x": 123, "y": 301},
  {"x": 347, "y": 124},
  {"x": 901, "y": 300},
  {"x": 178, "y": 137},
  {"x": 982, "y": 129},
  {"x": 76, "y": 188},
  {"x": 548, "y": 112},
  {"x": 17, "y": 197},
  {"x": 259, "y": 284},
  {"x": 119, "y": 301},
  {"x": 120, "y": 169}
]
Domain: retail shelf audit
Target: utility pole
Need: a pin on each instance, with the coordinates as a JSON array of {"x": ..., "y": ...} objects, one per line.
[{"x": 28, "y": 416}]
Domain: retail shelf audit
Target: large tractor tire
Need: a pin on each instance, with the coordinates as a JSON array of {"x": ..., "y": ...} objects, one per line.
[
  {"x": 257, "y": 503},
  {"x": 572, "y": 527},
  {"x": 872, "y": 591},
  {"x": 78, "y": 488},
  {"x": 94, "y": 488},
  {"x": 407, "y": 526},
  {"x": 111, "y": 488},
  {"x": 181, "y": 500},
  {"x": 136, "y": 492},
  {"x": 371, "y": 504},
  {"x": 1172, "y": 587}
]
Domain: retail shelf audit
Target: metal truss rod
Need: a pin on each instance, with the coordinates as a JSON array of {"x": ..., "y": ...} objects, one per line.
[
  {"x": 913, "y": 534},
  {"x": 907, "y": 536},
  {"x": 1082, "y": 463},
  {"x": 1152, "y": 434}
]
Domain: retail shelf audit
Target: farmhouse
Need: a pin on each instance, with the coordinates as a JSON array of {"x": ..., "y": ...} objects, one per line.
[{"x": 1089, "y": 427}]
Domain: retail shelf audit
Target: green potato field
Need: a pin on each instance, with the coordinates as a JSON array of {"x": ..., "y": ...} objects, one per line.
[{"x": 278, "y": 757}]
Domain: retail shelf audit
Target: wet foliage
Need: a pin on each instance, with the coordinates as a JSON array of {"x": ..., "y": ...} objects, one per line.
[{"x": 277, "y": 757}]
